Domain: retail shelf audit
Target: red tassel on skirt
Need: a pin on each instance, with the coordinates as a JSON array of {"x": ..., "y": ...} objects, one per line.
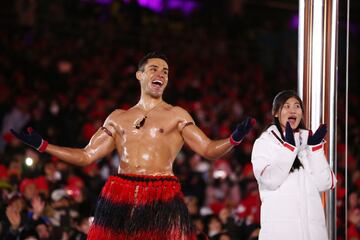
[{"x": 137, "y": 207}]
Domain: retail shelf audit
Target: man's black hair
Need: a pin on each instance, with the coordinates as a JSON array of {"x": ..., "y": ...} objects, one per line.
[{"x": 145, "y": 59}]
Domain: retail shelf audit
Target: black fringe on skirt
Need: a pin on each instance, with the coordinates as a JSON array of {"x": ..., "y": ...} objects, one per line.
[{"x": 141, "y": 207}]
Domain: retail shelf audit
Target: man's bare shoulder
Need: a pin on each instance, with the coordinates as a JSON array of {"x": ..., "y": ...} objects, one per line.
[
  {"x": 179, "y": 110},
  {"x": 115, "y": 114},
  {"x": 181, "y": 114},
  {"x": 116, "y": 117}
]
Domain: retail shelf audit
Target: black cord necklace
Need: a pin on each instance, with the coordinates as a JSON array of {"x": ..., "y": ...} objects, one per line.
[{"x": 141, "y": 121}]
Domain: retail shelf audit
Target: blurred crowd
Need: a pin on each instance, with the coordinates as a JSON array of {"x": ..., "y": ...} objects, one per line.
[{"x": 65, "y": 65}]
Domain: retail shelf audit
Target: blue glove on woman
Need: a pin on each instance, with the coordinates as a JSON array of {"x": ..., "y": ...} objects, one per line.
[
  {"x": 289, "y": 134},
  {"x": 318, "y": 136}
]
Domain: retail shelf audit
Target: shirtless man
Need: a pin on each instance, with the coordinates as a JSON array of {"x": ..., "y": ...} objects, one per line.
[{"x": 144, "y": 200}]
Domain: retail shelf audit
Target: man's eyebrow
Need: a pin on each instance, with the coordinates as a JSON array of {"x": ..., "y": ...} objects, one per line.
[
  {"x": 156, "y": 66},
  {"x": 153, "y": 66}
]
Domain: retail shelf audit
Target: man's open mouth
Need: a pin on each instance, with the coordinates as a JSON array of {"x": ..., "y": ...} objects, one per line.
[{"x": 157, "y": 82}]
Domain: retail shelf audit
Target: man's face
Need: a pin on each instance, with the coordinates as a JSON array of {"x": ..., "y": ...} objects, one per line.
[
  {"x": 154, "y": 78},
  {"x": 290, "y": 112}
]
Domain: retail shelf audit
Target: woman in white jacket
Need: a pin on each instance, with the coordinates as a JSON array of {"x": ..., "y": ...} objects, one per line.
[{"x": 291, "y": 170}]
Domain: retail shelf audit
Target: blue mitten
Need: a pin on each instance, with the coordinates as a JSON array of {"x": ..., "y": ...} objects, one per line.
[
  {"x": 31, "y": 138},
  {"x": 241, "y": 130},
  {"x": 289, "y": 134},
  {"x": 318, "y": 136}
]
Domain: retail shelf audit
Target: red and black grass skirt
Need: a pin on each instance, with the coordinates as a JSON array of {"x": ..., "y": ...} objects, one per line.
[{"x": 140, "y": 207}]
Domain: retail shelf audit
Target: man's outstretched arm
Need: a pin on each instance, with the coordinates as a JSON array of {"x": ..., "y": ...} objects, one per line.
[
  {"x": 101, "y": 144},
  {"x": 202, "y": 145},
  {"x": 195, "y": 138}
]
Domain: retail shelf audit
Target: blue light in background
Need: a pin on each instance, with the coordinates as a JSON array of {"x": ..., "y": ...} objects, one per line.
[
  {"x": 155, "y": 5},
  {"x": 294, "y": 22},
  {"x": 104, "y": 2},
  {"x": 186, "y": 6}
]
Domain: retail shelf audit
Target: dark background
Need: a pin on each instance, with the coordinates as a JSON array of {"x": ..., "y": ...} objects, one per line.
[{"x": 66, "y": 64}]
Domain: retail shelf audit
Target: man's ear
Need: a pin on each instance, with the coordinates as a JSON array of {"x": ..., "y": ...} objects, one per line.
[{"x": 139, "y": 75}]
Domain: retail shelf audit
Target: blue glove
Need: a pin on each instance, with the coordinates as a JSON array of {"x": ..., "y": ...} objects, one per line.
[
  {"x": 318, "y": 136},
  {"x": 31, "y": 138},
  {"x": 241, "y": 130},
  {"x": 289, "y": 134}
]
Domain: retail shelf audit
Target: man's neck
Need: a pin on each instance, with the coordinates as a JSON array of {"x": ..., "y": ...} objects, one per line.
[{"x": 148, "y": 102}]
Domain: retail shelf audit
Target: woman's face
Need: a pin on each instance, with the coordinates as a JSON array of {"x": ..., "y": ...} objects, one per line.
[{"x": 290, "y": 112}]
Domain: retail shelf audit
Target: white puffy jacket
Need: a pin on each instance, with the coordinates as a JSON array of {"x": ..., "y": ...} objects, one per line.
[{"x": 291, "y": 206}]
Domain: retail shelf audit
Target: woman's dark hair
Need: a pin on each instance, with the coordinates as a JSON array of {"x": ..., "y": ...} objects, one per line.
[
  {"x": 278, "y": 103},
  {"x": 145, "y": 59}
]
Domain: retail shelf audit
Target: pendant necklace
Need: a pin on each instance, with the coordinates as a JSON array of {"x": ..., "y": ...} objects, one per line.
[{"x": 141, "y": 121}]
